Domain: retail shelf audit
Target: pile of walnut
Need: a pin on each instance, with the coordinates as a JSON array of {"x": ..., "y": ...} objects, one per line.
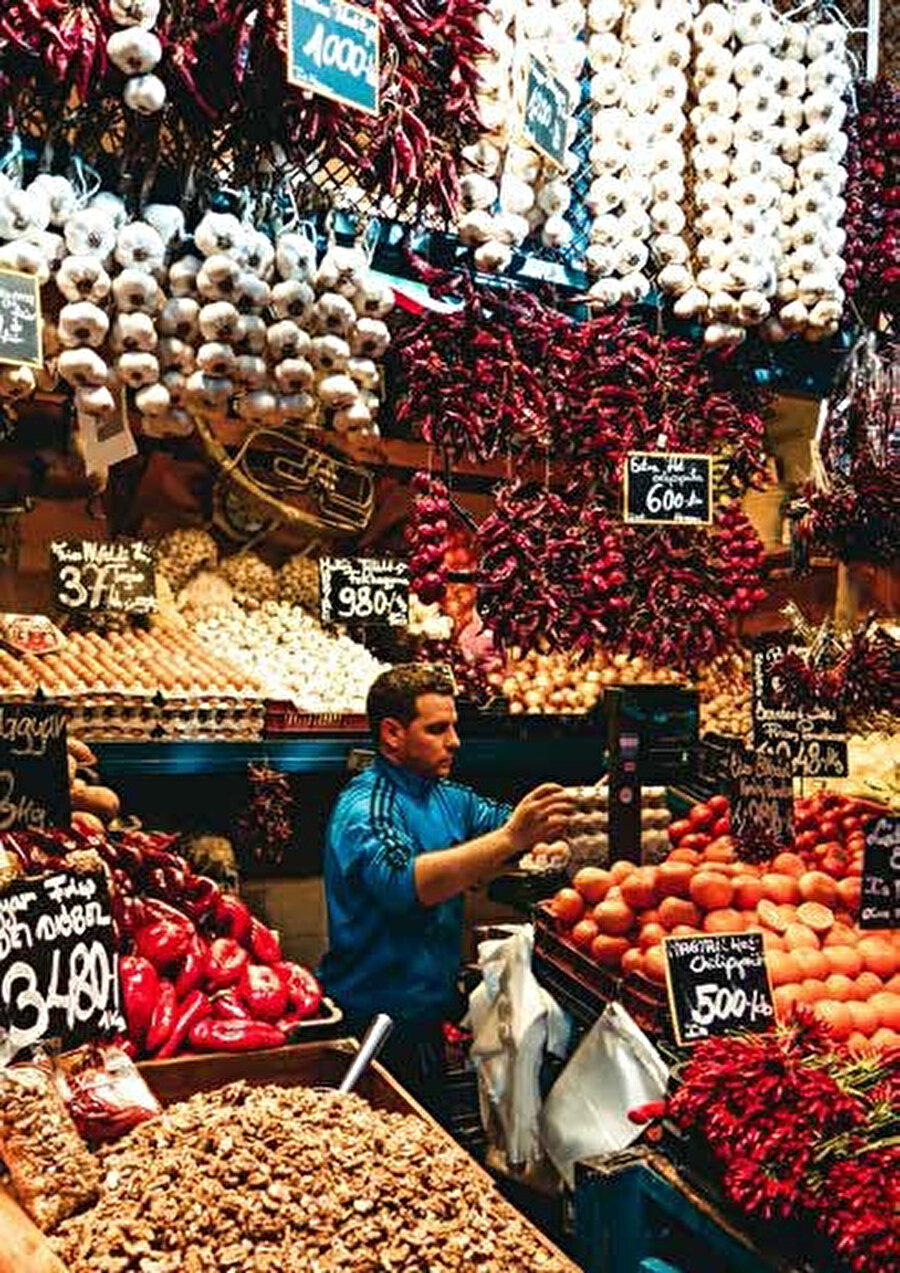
[{"x": 278, "y": 1180}]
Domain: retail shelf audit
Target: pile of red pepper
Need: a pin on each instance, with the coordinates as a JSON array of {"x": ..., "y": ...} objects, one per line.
[
  {"x": 801, "y": 1130},
  {"x": 197, "y": 970}
]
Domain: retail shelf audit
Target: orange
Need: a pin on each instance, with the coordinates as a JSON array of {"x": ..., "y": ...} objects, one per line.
[
  {"x": 811, "y": 991},
  {"x": 865, "y": 1018},
  {"x": 652, "y": 934},
  {"x": 816, "y": 886},
  {"x": 584, "y": 933},
  {"x": 724, "y": 920},
  {"x": 785, "y": 1000},
  {"x": 780, "y": 888},
  {"x": 799, "y": 937},
  {"x": 879, "y": 956},
  {"x": 685, "y": 930},
  {"x": 849, "y": 890},
  {"x": 841, "y": 935},
  {"x": 621, "y": 869},
  {"x": 673, "y": 879},
  {"x": 593, "y": 883},
  {"x": 894, "y": 984},
  {"x": 836, "y": 1016},
  {"x": 567, "y": 907},
  {"x": 773, "y": 941},
  {"x": 677, "y": 910},
  {"x": 684, "y": 855},
  {"x": 748, "y": 890},
  {"x": 845, "y": 959},
  {"x": 648, "y": 917},
  {"x": 887, "y": 1006},
  {"x": 782, "y": 967},
  {"x": 638, "y": 889},
  {"x": 788, "y": 864},
  {"x": 608, "y": 951},
  {"x": 868, "y": 984},
  {"x": 655, "y": 965},
  {"x": 816, "y": 915},
  {"x": 771, "y": 916},
  {"x": 839, "y": 986},
  {"x": 721, "y": 850},
  {"x": 811, "y": 963},
  {"x": 613, "y": 918},
  {"x": 885, "y": 1040},
  {"x": 858, "y": 1044},
  {"x": 632, "y": 961}
]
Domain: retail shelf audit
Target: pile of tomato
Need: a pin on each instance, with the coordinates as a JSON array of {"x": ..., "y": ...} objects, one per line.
[{"x": 804, "y": 902}]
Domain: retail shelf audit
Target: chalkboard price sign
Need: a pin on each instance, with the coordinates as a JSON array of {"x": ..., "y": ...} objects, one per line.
[
  {"x": 90, "y": 575},
  {"x": 879, "y": 904},
  {"x": 665, "y": 487},
  {"x": 34, "y": 773},
  {"x": 814, "y": 738},
  {"x": 717, "y": 984},
  {"x": 762, "y": 794},
  {"x": 365, "y": 590},
  {"x": 547, "y": 110},
  {"x": 20, "y": 319},
  {"x": 59, "y": 974},
  {"x": 333, "y": 50}
]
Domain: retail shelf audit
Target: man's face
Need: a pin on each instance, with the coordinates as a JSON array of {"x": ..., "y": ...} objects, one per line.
[{"x": 429, "y": 742}]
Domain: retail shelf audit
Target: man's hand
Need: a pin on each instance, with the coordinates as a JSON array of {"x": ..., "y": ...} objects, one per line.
[{"x": 541, "y": 815}]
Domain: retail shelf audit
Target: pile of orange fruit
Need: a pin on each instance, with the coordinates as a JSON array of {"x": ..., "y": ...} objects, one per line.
[{"x": 804, "y": 902}]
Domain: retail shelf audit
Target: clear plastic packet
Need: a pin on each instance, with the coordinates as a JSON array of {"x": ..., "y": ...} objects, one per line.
[
  {"x": 53, "y": 1172},
  {"x": 104, "y": 1092}
]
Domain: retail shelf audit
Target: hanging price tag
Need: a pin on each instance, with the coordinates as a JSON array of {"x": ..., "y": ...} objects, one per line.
[
  {"x": 762, "y": 794},
  {"x": 664, "y": 487},
  {"x": 366, "y": 590},
  {"x": 717, "y": 984},
  {"x": 59, "y": 973},
  {"x": 547, "y": 109},
  {"x": 34, "y": 773},
  {"x": 20, "y": 319},
  {"x": 91, "y": 575},
  {"x": 879, "y": 903},
  {"x": 333, "y": 50},
  {"x": 815, "y": 738}
]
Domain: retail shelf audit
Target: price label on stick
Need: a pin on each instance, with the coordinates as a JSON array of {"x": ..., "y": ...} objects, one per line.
[
  {"x": 879, "y": 903},
  {"x": 366, "y": 590},
  {"x": 547, "y": 109},
  {"x": 333, "y": 51},
  {"x": 59, "y": 974},
  {"x": 34, "y": 772},
  {"x": 20, "y": 319},
  {"x": 666, "y": 487},
  {"x": 815, "y": 737},
  {"x": 90, "y": 575},
  {"x": 762, "y": 794},
  {"x": 717, "y": 984}
]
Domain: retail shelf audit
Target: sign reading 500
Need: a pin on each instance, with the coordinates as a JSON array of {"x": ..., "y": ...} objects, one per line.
[{"x": 333, "y": 51}]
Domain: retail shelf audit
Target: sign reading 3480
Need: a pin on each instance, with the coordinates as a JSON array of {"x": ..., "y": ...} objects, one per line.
[{"x": 333, "y": 51}]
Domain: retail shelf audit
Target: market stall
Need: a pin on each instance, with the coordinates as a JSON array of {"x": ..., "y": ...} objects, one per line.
[{"x": 553, "y": 342}]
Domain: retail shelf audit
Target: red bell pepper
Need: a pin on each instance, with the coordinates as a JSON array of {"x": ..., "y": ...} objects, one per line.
[
  {"x": 228, "y": 1007},
  {"x": 195, "y": 1008},
  {"x": 225, "y": 962},
  {"x": 140, "y": 988},
  {"x": 192, "y": 968},
  {"x": 200, "y": 897},
  {"x": 304, "y": 992},
  {"x": 163, "y": 1017},
  {"x": 264, "y": 992},
  {"x": 234, "y": 1036},
  {"x": 264, "y": 943},
  {"x": 163, "y": 942},
  {"x": 232, "y": 918}
]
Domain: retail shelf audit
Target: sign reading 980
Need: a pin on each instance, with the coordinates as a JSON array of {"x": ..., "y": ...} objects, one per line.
[{"x": 333, "y": 51}]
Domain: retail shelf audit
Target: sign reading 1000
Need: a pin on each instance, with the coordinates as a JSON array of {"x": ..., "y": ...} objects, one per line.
[{"x": 333, "y": 51}]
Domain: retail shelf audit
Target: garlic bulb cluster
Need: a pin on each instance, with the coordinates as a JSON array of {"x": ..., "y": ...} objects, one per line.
[
  {"x": 638, "y": 51},
  {"x": 508, "y": 189},
  {"x": 255, "y": 327},
  {"x": 136, "y": 51}
]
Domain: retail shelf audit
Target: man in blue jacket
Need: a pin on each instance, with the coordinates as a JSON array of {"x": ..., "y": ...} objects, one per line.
[{"x": 403, "y": 845}]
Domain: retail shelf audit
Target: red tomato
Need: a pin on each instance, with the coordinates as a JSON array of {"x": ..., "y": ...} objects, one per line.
[
  {"x": 719, "y": 805},
  {"x": 696, "y": 840},
  {"x": 679, "y": 829},
  {"x": 701, "y": 815},
  {"x": 829, "y": 829},
  {"x": 806, "y": 841},
  {"x": 720, "y": 826},
  {"x": 849, "y": 825}
]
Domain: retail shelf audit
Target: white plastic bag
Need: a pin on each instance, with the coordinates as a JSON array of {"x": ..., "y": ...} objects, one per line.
[{"x": 614, "y": 1069}]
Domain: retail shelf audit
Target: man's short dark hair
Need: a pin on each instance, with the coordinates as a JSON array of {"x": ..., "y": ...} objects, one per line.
[{"x": 393, "y": 694}]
